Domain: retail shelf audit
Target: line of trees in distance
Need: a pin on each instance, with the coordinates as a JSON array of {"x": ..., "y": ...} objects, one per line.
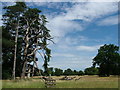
[
  {"x": 105, "y": 63},
  {"x": 68, "y": 72}
]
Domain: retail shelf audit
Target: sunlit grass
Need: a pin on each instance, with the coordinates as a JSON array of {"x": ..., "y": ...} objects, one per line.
[
  {"x": 90, "y": 82},
  {"x": 84, "y": 82},
  {"x": 23, "y": 84},
  {"x": 0, "y": 84}
]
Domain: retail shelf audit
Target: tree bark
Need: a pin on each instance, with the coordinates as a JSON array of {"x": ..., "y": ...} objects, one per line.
[
  {"x": 33, "y": 69},
  {"x": 14, "y": 64},
  {"x": 25, "y": 52},
  {"x": 29, "y": 72},
  {"x": 34, "y": 59},
  {"x": 38, "y": 68},
  {"x": 24, "y": 69},
  {"x": 33, "y": 66}
]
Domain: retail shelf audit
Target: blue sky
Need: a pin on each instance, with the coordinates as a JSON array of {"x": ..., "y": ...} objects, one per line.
[{"x": 79, "y": 29}]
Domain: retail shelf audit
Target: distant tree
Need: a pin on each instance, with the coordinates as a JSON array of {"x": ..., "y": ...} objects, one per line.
[
  {"x": 58, "y": 72},
  {"x": 51, "y": 71},
  {"x": 68, "y": 72},
  {"x": 42, "y": 72},
  {"x": 80, "y": 73},
  {"x": 75, "y": 72},
  {"x": 91, "y": 71},
  {"x": 47, "y": 56},
  {"x": 108, "y": 59}
]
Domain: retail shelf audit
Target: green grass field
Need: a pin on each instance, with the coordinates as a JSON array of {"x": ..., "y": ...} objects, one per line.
[{"x": 84, "y": 82}]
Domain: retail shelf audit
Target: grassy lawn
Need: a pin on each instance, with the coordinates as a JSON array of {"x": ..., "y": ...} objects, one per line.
[{"x": 84, "y": 82}]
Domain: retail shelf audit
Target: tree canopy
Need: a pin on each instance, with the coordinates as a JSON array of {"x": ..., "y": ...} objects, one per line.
[
  {"x": 24, "y": 32},
  {"x": 108, "y": 60},
  {"x": 91, "y": 71}
]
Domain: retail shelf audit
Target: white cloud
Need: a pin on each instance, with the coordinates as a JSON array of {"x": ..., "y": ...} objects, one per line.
[
  {"x": 0, "y": 20},
  {"x": 113, "y": 20},
  {"x": 74, "y": 40},
  {"x": 60, "y": 26},
  {"x": 62, "y": 0},
  {"x": 62, "y": 55},
  {"x": 10, "y": 3},
  {"x": 32, "y": 3},
  {"x": 0, "y": 14},
  {"x": 64, "y": 23},
  {"x": 78, "y": 63},
  {"x": 91, "y": 10},
  {"x": 88, "y": 48}
]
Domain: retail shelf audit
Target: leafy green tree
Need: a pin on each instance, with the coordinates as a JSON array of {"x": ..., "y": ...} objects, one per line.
[
  {"x": 25, "y": 32},
  {"x": 7, "y": 53},
  {"x": 68, "y": 72},
  {"x": 12, "y": 22},
  {"x": 80, "y": 73},
  {"x": 91, "y": 71},
  {"x": 107, "y": 59},
  {"x": 51, "y": 71},
  {"x": 44, "y": 43},
  {"x": 75, "y": 72},
  {"x": 35, "y": 38},
  {"x": 30, "y": 20},
  {"x": 46, "y": 60},
  {"x": 58, "y": 71}
]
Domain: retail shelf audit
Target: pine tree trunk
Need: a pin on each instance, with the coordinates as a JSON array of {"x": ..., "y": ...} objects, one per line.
[
  {"x": 33, "y": 67},
  {"x": 34, "y": 60},
  {"x": 25, "y": 52},
  {"x": 23, "y": 70},
  {"x": 38, "y": 68},
  {"x": 14, "y": 64},
  {"x": 29, "y": 72}
]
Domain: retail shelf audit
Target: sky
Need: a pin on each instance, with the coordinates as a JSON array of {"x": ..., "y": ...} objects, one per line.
[{"x": 78, "y": 29}]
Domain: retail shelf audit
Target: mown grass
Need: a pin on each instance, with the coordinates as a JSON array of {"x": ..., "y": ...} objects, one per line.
[
  {"x": 90, "y": 82},
  {"x": 22, "y": 84},
  {"x": 84, "y": 82}
]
